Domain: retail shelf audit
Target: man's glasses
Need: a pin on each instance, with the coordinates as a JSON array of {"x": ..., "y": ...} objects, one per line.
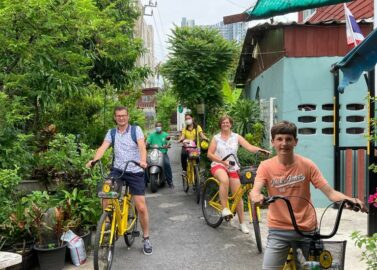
[{"x": 121, "y": 116}]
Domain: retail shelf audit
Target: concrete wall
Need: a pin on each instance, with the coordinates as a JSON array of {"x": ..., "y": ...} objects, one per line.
[{"x": 297, "y": 82}]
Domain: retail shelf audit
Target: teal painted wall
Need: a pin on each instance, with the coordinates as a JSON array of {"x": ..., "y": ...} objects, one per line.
[{"x": 298, "y": 81}]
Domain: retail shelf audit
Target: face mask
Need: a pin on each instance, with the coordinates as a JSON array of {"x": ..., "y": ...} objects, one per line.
[
  {"x": 158, "y": 129},
  {"x": 188, "y": 122}
]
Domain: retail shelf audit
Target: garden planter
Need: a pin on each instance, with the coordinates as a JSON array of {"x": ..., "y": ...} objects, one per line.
[
  {"x": 29, "y": 257},
  {"x": 51, "y": 258}
]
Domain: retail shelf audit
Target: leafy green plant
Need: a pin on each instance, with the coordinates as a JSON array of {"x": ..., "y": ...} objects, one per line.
[
  {"x": 167, "y": 104},
  {"x": 65, "y": 161},
  {"x": 82, "y": 206},
  {"x": 197, "y": 66},
  {"x": 245, "y": 114},
  {"x": 368, "y": 246}
]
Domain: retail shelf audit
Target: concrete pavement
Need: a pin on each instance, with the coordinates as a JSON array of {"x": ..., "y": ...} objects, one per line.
[{"x": 182, "y": 240}]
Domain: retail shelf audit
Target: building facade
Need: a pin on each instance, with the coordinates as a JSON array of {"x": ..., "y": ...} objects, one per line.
[{"x": 287, "y": 68}]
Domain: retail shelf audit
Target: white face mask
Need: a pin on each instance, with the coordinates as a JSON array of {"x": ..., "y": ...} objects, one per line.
[
  {"x": 188, "y": 122},
  {"x": 158, "y": 129}
]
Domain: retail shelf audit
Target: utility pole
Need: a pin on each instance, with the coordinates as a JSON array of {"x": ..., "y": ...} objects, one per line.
[{"x": 151, "y": 5}]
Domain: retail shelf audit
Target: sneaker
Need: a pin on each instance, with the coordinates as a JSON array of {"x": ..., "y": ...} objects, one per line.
[
  {"x": 184, "y": 173},
  {"x": 226, "y": 213},
  {"x": 147, "y": 248},
  {"x": 243, "y": 228},
  {"x": 171, "y": 186}
]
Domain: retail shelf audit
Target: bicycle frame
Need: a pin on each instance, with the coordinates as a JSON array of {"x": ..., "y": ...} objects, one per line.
[
  {"x": 235, "y": 198},
  {"x": 191, "y": 163},
  {"x": 315, "y": 250}
]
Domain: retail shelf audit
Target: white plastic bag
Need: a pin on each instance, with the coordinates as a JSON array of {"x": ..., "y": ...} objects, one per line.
[{"x": 76, "y": 247}]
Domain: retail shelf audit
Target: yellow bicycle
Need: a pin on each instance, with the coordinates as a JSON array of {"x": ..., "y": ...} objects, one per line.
[
  {"x": 192, "y": 177},
  {"x": 119, "y": 218},
  {"x": 212, "y": 208},
  {"x": 314, "y": 253}
]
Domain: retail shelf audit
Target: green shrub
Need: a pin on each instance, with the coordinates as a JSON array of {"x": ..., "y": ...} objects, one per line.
[{"x": 368, "y": 246}]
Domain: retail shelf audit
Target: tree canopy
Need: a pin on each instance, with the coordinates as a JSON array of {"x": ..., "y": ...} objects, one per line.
[
  {"x": 198, "y": 64},
  {"x": 68, "y": 57}
]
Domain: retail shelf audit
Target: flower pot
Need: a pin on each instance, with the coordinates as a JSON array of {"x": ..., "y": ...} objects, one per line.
[
  {"x": 29, "y": 257},
  {"x": 51, "y": 258}
]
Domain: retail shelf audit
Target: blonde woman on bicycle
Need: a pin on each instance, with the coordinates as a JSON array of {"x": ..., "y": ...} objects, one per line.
[{"x": 222, "y": 144}]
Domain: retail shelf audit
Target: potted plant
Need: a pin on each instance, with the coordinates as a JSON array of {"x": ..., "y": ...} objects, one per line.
[
  {"x": 48, "y": 227},
  {"x": 79, "y": 205}
]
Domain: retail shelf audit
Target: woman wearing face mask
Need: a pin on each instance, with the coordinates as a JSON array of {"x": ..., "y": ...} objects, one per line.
[{"x": 191, "y": 132}]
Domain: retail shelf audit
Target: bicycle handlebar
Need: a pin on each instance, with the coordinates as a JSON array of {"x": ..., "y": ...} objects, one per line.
[
  {"x": 316, "y": 235},
  {"x": 125, "y": 167}
]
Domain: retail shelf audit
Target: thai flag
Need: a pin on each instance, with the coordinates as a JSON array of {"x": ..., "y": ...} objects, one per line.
[{"x": 354, "y": 35}]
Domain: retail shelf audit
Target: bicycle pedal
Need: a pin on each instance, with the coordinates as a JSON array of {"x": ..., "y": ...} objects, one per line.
[
  {"x": 228, "y": 218},
  {"x": 135, "y": 234}
]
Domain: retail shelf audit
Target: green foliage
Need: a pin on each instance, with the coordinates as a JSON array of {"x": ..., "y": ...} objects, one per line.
[
  {"x": 245, "y": 114},
  {"x": 81, "y": 205},
  {"x": 16, "y": 148},
  {"x": 167, "y": 104},
  {"x": 65, "y": 160},
  {"x": 199, "y": 61},
  {"x": 231, "y": 96},
  {"x": 257, "y": 135},
  {"x": 368, "y": 246},
  {"x": 60, "y": 58}
]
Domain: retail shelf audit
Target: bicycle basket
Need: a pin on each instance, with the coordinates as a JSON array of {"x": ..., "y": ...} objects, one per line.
[
  {"x": 108, "y": 190},
  {"x": 333, "y": 254},
  {"x": 193, "y": 153},
  {"x": 247, "y": 175}
]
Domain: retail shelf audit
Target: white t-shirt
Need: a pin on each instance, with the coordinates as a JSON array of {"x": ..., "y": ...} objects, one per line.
[{"x": 226, "y": 147}]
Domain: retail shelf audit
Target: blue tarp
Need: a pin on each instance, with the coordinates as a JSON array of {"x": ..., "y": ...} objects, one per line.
[{"x": 361, "y": 58}]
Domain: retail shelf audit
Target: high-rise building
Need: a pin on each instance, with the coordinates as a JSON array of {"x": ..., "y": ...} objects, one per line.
[
  {"x": 234, "y": 31},
  {"x": 145, "y": 32},
  {"x": 186, "y": 22}
]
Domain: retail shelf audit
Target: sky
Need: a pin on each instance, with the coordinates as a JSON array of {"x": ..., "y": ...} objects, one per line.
[{"x": 204, "y": 12}]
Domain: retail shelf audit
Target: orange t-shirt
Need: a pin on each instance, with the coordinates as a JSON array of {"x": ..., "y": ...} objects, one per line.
[{"x": 292, "y": 181}]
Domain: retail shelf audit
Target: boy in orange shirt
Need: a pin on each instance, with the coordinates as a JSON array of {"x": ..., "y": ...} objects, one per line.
[{"x": 289, "y": 174}]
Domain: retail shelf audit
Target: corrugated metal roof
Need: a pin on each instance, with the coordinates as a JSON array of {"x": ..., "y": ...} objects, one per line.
[
  {"x": 292, "y": 46},
  {"x": 361, "y": 9}
]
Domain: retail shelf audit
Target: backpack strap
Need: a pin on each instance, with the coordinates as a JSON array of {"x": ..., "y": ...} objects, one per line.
[
  {"x": 133, "y": 133},
  {"x": 112, "y": 134}
]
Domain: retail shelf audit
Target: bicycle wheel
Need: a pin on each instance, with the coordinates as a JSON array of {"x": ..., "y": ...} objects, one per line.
[
  {"x": 103, "y": 249},
  {"x": 131, "y": 233},
  {"x": 255, "y": 216},
  {"x": 211, "y": 206},
  {"x": 197, "y": 184}
]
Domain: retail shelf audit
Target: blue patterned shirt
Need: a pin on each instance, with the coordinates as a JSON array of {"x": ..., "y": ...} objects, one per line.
[{"x": 126, "y": 149}]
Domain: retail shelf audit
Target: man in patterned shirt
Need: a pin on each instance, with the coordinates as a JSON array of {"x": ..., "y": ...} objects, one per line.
[{"x": 126, "y": 149}]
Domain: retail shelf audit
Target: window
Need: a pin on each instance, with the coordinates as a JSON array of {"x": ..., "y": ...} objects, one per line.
[
  {"x": 147, "y": 98},
  {"x": 306, "y": 131},
  {"x": 355, "y": 130},
  {"x": 355, "y": 107},
  {"x": 328, "y": 130},
  {"x": 306, "y": 107},
  {"x": 306, "y": 119},
  {"x": 355, "y": 118},
  {"x": 328, "y": 118},
  {"x": 328, "y": 107}
]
